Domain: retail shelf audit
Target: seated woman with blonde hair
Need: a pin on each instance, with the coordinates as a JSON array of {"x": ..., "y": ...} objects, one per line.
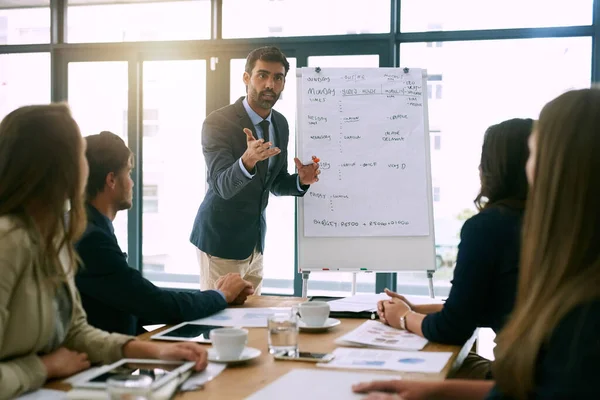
[
  {"x": 549, "y": 348},
  {"x": 43, "y": 329}
]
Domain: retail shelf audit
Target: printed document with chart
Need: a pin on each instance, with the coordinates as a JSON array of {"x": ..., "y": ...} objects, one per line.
[
  {"x": 377, "y": 334},
  {"x": 388, "y": 360},
  {"x": 241, "y": 317}
]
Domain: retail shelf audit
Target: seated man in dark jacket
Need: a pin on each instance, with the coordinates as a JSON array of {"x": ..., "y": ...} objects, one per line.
[{"x": 116, "y": 297}]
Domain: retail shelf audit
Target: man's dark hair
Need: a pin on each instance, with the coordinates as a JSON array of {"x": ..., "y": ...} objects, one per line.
[
  {"x": 268, "y": 54},
  {"x": 105, "y": 153}
]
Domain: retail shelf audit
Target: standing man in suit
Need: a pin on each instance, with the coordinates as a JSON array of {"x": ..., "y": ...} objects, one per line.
[
  {"x": 245, "y": 148},
  {"x": 118, "y": 298}
]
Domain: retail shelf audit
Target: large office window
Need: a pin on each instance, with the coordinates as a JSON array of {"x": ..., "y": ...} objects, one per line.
[
  {"x": 453, "y": 15},
  {"x": 98, "y": 100},
  {"x": 263, "y": 18},
  {"x": 480, "y": 89},
  {"x": 24, "y": 22},
  {"x": 100, "y": 21},
  {"x": 24, "y": 80},
  {"x": 173, "y": 169},
  {"x": 471, "y": 84}
]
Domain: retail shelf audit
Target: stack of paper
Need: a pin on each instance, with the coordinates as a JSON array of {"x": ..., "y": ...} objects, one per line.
[
  {"x": 389, "y": 360},
  {"x": 376, "y": 334},
  {"x": 357, "y": 303}
]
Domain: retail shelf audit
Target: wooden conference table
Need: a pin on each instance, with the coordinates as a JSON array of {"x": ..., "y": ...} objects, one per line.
[{"x": 239, "y": 382}]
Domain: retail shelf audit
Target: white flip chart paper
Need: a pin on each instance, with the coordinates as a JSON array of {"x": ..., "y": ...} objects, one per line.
[{"x": 367, "y": 128}]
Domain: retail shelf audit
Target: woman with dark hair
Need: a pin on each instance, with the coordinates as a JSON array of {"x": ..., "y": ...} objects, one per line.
[
  {"x": 549, "y": 349},
  {"x": 44, "y": 333},
  {"x": 485, "y": 278}
]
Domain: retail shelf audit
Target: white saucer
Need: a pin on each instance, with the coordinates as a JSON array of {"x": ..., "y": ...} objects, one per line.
[
  {"x": 330, "y": 323},
  {"x": 248, "y": 354}
]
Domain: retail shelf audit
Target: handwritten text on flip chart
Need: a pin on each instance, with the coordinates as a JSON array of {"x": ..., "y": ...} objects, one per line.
[{"x": 367, "y": 127}]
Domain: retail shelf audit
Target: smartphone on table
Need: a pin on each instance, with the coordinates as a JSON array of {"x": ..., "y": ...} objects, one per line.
[{"x": 304, "y": 356}]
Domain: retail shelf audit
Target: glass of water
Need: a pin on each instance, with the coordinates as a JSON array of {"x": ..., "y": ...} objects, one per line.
[
  {"x": 283, "y": 333},
  {"x": 129, "y": 387}
]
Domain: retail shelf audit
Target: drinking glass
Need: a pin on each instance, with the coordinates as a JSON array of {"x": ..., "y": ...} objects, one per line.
[
  {"x": 283, "y": 333},
  {"x": 129, "y": 387}
]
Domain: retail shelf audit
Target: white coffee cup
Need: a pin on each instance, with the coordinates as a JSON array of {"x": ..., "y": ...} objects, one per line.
[
  {"x": 229, "y": 343},
  {"x": 314, "y": 313}
]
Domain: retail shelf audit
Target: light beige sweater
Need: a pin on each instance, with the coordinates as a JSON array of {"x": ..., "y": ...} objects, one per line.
[{"x": 27, "y": 317}]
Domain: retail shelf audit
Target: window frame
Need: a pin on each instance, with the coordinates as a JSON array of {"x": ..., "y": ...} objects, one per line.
[{"x": 218, "y": 51}]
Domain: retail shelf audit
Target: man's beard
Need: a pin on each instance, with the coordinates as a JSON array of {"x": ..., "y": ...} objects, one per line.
[
  {"x": 125, "y": 199},
  {"x": 265, "y": 103},
  {"x": 124, "y": 204}
]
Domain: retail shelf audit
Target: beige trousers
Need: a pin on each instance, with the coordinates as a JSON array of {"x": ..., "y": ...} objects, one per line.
[{"x": 212, "y": 268}]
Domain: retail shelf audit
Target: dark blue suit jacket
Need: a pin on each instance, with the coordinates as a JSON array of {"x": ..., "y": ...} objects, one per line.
[
  {"x": 117, "y": 297},
  {"x": 231, "y": 220}
]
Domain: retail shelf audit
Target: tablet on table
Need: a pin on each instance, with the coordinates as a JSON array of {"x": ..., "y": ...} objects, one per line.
[{"x": 160, "y": 371}]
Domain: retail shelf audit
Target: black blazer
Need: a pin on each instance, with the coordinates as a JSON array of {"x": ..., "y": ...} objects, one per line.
[
  {"x": 116, "y": 297},
  {"x": 484, "y": 287},
  {"x": 231, "y": 220}
]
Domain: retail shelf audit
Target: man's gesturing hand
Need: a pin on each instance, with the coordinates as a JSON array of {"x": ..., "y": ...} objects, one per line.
[
  {"x": 257, "y": 150},
  {"x": 309, "y": 173}
]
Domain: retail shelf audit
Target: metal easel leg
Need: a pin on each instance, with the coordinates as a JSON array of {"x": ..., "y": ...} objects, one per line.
[
  {"x": 430, "y": 278},
  {"x": 305, "y": 276}
]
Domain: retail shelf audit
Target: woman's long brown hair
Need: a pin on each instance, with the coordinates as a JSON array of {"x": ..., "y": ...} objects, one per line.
[
  {"x": 502, "y": 168},
  {"x": 560, "y": 260},
  {"x": 40, "y": 153}
]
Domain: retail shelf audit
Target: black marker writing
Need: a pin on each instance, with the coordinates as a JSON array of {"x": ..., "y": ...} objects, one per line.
[
  {"x": 321, "y": 137},
  {"x": 321, "y": 92},
  {"x": 317, "y": 118},
  {"x": 318, "y": 79},
  {"x": 325, "y": 222}
]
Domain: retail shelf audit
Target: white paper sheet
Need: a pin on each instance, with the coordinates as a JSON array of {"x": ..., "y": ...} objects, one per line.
[
  {"x": 241, "y": 317},
  {"x": 357, "y": 303},
  {"x": 389, "y": 360},
  {"x": 368, "y": 302},
  {"x": 367, "y": 127},
  {"x": 44, "y": 394},
  {"x": 198, "y": 379},
  {"x": 150, "y": 328},
  {"x": 376, "y": 334},
  {"x": 302, "y": 384}
]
